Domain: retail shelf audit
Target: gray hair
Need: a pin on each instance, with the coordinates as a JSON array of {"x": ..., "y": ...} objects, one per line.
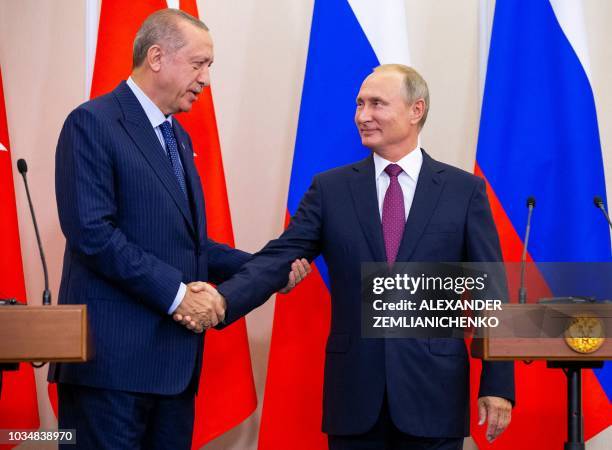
[
  {"x": 415, "y": 86},
  {"x": 162, "y": 28}
]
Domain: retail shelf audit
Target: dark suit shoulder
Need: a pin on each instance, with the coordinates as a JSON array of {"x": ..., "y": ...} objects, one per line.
[
  {"x": 97, "y": 118},
  {"x": 452, "y": 173},
  {"x": 106, "y": 106},
  {"x": 345, "y": 170}
]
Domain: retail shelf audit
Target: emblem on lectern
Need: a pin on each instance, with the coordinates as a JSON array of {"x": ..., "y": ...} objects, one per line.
[{"x": 584, "y": 333}]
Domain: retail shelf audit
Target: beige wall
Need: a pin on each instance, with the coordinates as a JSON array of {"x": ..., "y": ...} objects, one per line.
[{"x": 261, "y": 50}]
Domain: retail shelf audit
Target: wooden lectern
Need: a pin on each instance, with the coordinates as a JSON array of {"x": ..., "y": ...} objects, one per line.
[
  {"x": 43, "y": 333},
  {"x": 537, "y": 332}
]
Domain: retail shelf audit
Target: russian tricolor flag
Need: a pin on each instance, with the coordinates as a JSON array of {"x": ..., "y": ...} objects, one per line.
[{"x": 538, "y": 136}]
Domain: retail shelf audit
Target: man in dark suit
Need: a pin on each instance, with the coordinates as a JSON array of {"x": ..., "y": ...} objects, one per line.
[
  {"x": 131, "y": 207},
  {"x": 397, "y": 205}
]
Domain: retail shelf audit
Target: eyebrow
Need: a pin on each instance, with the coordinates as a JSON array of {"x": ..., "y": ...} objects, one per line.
[{"x": 371, "y": 99}]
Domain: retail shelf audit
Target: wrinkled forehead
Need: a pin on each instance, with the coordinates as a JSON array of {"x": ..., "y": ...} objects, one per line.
[{"x": 198, "y": 46}]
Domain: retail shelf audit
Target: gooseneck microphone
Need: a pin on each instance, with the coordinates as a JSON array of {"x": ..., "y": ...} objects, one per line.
[
  {"x": 522, "y": 289},
  {"x": 599, "y": 204},
  {"x": 23, "y": 168}
]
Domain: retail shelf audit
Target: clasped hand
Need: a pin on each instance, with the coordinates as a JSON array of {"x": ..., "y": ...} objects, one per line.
[{"x": 204, "y": 307}]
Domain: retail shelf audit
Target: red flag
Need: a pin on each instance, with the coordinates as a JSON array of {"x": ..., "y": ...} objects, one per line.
[
  {"x": 18, "y": 404},
  {"x": 227, "y": 372},
  {"x": 119, "y": 22}
]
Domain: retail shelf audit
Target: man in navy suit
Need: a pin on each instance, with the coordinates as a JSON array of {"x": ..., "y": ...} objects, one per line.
[
  {"x": 397, "y": 205},
  {"x": 131, "y": 207}
]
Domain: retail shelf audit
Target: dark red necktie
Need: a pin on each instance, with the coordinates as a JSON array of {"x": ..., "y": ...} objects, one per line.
[{"x": 393, "y": 214}]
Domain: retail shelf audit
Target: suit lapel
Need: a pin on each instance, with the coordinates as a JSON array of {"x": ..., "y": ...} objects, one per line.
[
  {"x": 365, "y": 200},
  {"x": 428, "y": 189},
  {"x": 139, "y": 128},
  {"x": 193, "y": 180}
]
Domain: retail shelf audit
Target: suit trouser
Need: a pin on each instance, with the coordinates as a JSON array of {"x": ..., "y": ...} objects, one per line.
[
  {"x": 386, "y": 436},
  {"x": 109, "y": 419}
]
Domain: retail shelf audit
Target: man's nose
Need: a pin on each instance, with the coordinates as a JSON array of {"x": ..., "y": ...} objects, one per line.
[
  {"x": 363, "y": 114},
  {"x": 204, "y": 76}
]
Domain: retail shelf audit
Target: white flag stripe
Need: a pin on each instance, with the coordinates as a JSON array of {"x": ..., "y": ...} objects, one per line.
[
  {"x": 384, "y": 23},
  {"x": 570, "y": 16},
  {"x": 600, "y": 441},
  {"x": 2, "y": 148},
  {"x": 486, "y": 11},
  {"x": 92, "y": 19}
]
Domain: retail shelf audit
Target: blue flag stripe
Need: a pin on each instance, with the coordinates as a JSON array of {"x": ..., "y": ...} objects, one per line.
[{"x": 339, "y": 58}]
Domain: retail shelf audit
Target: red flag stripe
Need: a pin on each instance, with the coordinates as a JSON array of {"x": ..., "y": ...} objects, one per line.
[
  {"x": 227, "y": 372},
  {"x": 18, "y": 404},
  {"x": 293, "y": 402}
]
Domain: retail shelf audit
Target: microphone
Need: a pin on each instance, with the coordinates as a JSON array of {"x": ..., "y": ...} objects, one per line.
[
  {"x": 599, "y": 204},
  {"x": 23, "y": 168},
  {"x": 522, "y": 289}
]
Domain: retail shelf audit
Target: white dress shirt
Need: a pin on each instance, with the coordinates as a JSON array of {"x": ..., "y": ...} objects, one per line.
[
  {"x": 156, "y": 117},
  {"x": 411, "y": 166}
]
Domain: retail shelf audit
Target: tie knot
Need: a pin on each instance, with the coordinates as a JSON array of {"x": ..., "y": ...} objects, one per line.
[{"x": 393, "y": 170}]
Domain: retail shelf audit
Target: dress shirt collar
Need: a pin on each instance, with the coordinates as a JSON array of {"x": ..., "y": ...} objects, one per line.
[
  {"x": 411, "y": 164},
  {"x": 154, "y": 114}
]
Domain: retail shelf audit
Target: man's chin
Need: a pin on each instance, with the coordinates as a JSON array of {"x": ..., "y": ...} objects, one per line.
[{"x": 186, "y": 107}]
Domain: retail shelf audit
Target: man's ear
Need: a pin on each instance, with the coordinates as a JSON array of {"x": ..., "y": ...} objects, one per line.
[
  {"x": 417, "y": 109},
  {"x": 153, "y": 58}
]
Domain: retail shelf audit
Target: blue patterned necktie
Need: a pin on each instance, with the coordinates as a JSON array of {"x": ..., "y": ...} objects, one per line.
[{"x": 173, "y": 155}]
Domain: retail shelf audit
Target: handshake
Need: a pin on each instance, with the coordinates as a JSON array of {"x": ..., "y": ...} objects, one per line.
[{"x": 204, "y": 307}]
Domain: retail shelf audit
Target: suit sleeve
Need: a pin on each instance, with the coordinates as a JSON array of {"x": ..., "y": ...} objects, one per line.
[
  {"x": 496, "y": 378},
  {"x": 267, "y": 272},
  {"x": 87, "y": 207},
  {"x": 224, "y": 261}
]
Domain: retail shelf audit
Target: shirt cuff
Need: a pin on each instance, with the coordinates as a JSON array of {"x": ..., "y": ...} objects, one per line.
[{"x": 178, "y": 299}]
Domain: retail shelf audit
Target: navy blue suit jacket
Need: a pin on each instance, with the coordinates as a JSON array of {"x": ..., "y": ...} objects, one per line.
[
  {"x": 427, "y": 380},
  {"x": 132, "y": 237}
]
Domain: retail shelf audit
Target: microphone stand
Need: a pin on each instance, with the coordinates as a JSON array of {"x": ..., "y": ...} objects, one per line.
[
  {"x": 522, "y": 289},
  {"x": 23, "y": 168}
]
